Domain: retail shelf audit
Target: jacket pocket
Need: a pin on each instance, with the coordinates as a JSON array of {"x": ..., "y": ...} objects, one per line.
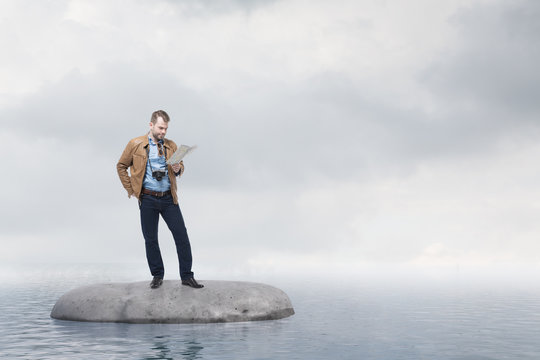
[{"x": 139, "y": 163}]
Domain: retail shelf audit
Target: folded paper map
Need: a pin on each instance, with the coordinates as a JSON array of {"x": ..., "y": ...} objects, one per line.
[{"x": 179, "y": 154}]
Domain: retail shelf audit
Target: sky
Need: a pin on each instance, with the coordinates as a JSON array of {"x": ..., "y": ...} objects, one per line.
[{"x": 331, "y": 135}]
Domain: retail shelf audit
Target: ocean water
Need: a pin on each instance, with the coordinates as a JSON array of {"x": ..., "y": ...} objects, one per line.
[{"x": 335, "y": 319}]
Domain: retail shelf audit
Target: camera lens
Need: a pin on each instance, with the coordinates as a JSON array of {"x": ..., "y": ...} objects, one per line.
[{"x": 158, "y": 175}]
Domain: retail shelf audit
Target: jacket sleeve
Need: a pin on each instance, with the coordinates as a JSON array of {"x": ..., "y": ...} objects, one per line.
[{"x": 126, "y": 160}]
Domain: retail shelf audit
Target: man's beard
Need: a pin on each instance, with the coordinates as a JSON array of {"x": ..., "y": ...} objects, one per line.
[{"x": 157, "y": 136}]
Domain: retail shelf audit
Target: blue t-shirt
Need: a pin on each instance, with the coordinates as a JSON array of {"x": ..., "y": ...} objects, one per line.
[{"x": 154, "y": 163}]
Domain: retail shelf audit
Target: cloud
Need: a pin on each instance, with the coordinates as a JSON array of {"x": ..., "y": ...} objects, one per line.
[
  {"x": 493, "y": 68},
  {"x": 356, "y": 132}
]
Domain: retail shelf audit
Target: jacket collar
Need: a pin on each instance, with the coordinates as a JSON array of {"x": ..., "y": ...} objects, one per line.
[{"x": 145, "y": 141}]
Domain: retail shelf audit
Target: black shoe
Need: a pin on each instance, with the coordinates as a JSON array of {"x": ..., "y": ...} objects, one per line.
[
  {"x": 192, "y": 282},
  {"x": 156, "y": 282}
]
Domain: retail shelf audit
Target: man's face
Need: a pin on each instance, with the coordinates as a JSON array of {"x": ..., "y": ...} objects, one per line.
[{"x": 159, "y": 129}]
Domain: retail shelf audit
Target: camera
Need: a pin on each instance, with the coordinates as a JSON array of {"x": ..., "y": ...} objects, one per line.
[{"x": 158, "y": 174}]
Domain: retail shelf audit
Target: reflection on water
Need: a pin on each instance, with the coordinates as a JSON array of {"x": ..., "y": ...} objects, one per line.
[
  {"x": 347, "y": 321},
  {"x": 192, "y": 350},
  {"x": 163, "y": 351}
]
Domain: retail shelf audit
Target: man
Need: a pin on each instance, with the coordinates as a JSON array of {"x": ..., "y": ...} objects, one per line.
[{"x": 153, "y": 183}]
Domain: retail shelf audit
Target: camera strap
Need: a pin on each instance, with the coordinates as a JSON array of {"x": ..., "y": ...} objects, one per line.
[{"x": 148, "y": 154}]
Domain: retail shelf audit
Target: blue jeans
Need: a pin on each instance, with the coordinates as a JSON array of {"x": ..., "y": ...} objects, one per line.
[{"x": 151, "y": 207}]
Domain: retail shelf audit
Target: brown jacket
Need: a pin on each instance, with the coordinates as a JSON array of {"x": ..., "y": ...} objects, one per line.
[{"x": 134, "y": 157}]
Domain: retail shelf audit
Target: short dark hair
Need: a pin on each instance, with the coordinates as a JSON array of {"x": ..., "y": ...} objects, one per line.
[{"x": 159, "y": 113}]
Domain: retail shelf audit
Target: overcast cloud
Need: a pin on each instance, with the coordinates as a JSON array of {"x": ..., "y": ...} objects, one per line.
[{"x": 338, "y": 133}]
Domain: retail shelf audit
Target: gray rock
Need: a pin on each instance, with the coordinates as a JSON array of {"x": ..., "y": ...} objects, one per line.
[{"x": 218, "y": 301}]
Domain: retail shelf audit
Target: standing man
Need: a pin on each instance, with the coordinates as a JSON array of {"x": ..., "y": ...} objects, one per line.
[{"x": 153, "y": 183}]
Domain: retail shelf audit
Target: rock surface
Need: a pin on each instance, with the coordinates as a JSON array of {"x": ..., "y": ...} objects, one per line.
[{"x": 218, "y": 301}]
